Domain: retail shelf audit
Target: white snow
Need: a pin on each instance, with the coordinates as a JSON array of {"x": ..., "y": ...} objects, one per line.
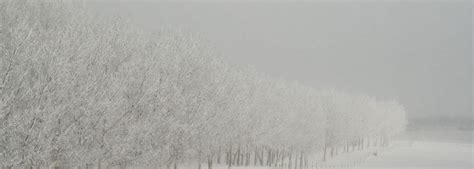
[
  {"x": 423, "y": 155},
  {"x": 426, "y": 149}
]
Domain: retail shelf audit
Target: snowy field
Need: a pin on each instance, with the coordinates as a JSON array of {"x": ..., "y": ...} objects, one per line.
[
  {"x": 428, "y": 149},
  {"x": 423, "y": 155}
]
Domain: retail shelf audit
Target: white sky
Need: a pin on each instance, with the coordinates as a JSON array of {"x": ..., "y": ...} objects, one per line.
[{"x": 419, "y": 52}]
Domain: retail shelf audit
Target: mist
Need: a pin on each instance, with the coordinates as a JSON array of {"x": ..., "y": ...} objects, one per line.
[
  {"x": 246, "y": 85},
  {"x": 418, "y": 52}
]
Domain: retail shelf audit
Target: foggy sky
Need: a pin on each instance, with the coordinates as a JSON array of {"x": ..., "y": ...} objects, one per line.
[{"x": 418, "y": 52}]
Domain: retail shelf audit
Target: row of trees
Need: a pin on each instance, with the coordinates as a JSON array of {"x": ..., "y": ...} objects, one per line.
[{"x": 76, "y": 90}]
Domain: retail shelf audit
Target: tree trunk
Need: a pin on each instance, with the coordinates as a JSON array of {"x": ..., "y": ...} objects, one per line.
[
  {"x": 234, "y": 159},
  {"x": 306, "y": 163},
  {"x": 227, "y": 158},
  {"x": 260, "y": 156},
  {"x": 301, "y": 160},
  {"x": 282, "y": 160},
  {"x": 229, "y": 155},
  {"x": 332, "y": 152},
  {"x": 255, "y": 157},
  {"x": 325, "y": 152},
  {"x": 199, "y": 159},
  {"x": 276, "y": 158},
  {"x": 168, "y": 163},
  {"x": 219, "y": 155},
  {"x": 269, "y": 157},
  {"x": 238, "y": 156},
  {"x": 209, "y": 162},
  {"x": 249, "y": 154},
  {"x": 242, "y": 158},
  {"x": 344, "y": 148},
  {"x": 289, "y": 160},
  {"x": 296, "y": 160},
  {"x": 349, "y": 145},
  {"x": 99, "y": 163}
]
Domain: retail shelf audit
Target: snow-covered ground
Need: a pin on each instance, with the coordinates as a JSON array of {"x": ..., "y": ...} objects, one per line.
[
  {"x": 422, "y": 155},
  {"x": 426, "y": 150}
]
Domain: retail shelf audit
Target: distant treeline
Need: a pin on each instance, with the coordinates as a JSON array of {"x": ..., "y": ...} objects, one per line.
[{"x": 438, "y": 122}]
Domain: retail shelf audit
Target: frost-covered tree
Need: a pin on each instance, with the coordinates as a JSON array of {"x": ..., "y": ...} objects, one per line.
[{"x": 78, "y": 90}]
